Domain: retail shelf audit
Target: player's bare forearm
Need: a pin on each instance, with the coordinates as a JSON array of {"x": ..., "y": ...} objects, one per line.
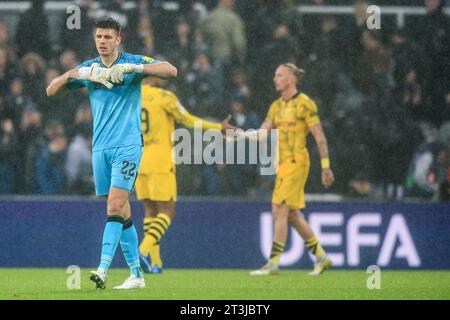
[
  {"x": 160, "y": 69},
  {"x": 323, "y": 149},
  {"x": 260, "y": 134},
  {"x": 322, "y": 145},
  {"x": 254, "y": 135},
  {"x": 58, "y": 85},
  {"x": 190, "y": 121},
  {"x": 321, "y": 140}
]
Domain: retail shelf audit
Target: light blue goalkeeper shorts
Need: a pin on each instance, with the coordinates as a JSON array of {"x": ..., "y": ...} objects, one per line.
[{"x": 116, "y": 167}]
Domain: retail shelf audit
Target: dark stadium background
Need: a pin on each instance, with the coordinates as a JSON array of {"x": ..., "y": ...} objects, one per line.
[
  {"x": 365, "y": 94},
  {"x": 383, "y": 97}
]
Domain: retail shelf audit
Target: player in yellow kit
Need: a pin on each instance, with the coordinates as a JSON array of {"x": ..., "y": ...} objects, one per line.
[
  {"x": 156, "y": 182},
  {"x": 294, "y": 114}
]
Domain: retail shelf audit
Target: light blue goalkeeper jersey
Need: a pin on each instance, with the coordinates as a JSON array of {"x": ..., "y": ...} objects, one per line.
[{"x": 117, "y": 111}]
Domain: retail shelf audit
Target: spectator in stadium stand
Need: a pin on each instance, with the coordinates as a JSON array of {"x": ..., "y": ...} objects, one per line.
[
  {"x": 434, "y": 31},
  {"x": 290, "y": 16},
  {"x": 326, "y": 61},
  {"x": 353, "y": 31},
  {"x": 181, "y": 50},
  {"x": 394, "y": 137},
  {"x": 33, "y": 68},
  {"x": 241, "y": 177},
  {"x": 143, "y": 7},
  {"x": 78, "y": 164},
  {"x": 373, "y": 66},
  {"x": 193, "y": 11},
  {"x": 143, "y": 39},
  {"x": 421, "y": 180},
  {"x": 32, "y": 31},
  {"x": 328, "y": 44},
  {"x": 352, "y": 134},
  {"x": 447, "y": 102},
  {"x": 206, "y": 86},
  {"x": 58, "y": 107},
  {"x": 224, "y": 33},
  {"x": 8, "y": 147},
  {"x": 30, "y": 142},
  {"x": 6, "y": 43},
  {"x": 76, "y": 39},
  {"x": 261, "y": 18},
  {"x": 5, "y": 110},
  {"x": 68, "y": 59},
  {"x": 445, "y": 138},
  {"x": 239, "y": 85},
  {"x": 360, "y": 186},
  {"x": 444, "y": 189},
  {"x": 62, "y": 107},
  {"x": 4, "y": 113},
  {"x": 16, "y": 101},
  {"x": 444, "y": 132},
  {"x": 165, "y": 16},
  {"x": 49, "y": 170},
  {"x": 6, "y": 71},
  {"x": 412, "y": 100},
  {"x": 418, "y": 57},
  {"x": 439, "y": 171},
  {"x": 283, "y": 47},
  {"x": 181, "y": 53},
  {"x": 199, "y": 42},
  {"x": 406, "y": 56}
]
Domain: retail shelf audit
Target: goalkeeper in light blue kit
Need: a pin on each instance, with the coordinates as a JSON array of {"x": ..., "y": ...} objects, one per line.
[{"x": 113, "y": 80}]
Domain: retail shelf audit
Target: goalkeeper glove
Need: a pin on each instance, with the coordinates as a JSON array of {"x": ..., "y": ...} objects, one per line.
[
  {"x": 117, "y": 71},
  {"x": 95, "y": 74}
]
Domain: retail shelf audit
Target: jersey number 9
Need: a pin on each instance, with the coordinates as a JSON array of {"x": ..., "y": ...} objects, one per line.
[{"x": 145, "y": 119}]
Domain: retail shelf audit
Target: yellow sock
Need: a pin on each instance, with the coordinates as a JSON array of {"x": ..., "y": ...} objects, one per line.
[
  {"x": 275, "y": 254},
  {"x": 144, "y": 247},
  {"x": 157, "y": 229},
  {"x": 155, "y": 255},
  {"x": 314, "y": 246}
]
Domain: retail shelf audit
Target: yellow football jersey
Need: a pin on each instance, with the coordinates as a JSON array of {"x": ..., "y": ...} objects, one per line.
[
  {"x": 160, "y": 111},
  {"x": 293, "y": 118}
]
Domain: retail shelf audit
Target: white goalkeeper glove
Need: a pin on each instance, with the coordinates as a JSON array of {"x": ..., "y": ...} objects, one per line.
[
  {"x": 108, "y": 76},
  {"x": 117, "y": 71},
  {"x": 95, "y": 74}
]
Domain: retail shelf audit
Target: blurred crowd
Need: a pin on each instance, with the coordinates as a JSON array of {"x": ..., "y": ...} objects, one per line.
[{"x": 383, "y": 95}]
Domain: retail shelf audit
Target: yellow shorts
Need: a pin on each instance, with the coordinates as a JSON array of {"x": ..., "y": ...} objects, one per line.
[
  {"x": 290, "y": 185},
  {"x": 156, "y": 187}
]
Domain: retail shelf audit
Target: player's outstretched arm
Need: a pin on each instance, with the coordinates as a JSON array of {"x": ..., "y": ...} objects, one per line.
[
  {"x": 185, "y": 118},
  {"x": 160, "y": 69},
  {"x": 182, "y": 116},
  {"x": 226, "y": 125},
  {"x": 92, "y": 73},
  {"x": 58, "y": 85},
  {"x": 260, "y": 134},
  {"x": 322, "y": 145}
]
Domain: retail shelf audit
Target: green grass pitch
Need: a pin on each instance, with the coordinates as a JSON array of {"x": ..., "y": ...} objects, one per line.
[{"x": 229, "y": 285}]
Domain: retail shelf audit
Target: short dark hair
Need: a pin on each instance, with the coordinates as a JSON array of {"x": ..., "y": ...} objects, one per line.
[{"x": 108, "y": 23}]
